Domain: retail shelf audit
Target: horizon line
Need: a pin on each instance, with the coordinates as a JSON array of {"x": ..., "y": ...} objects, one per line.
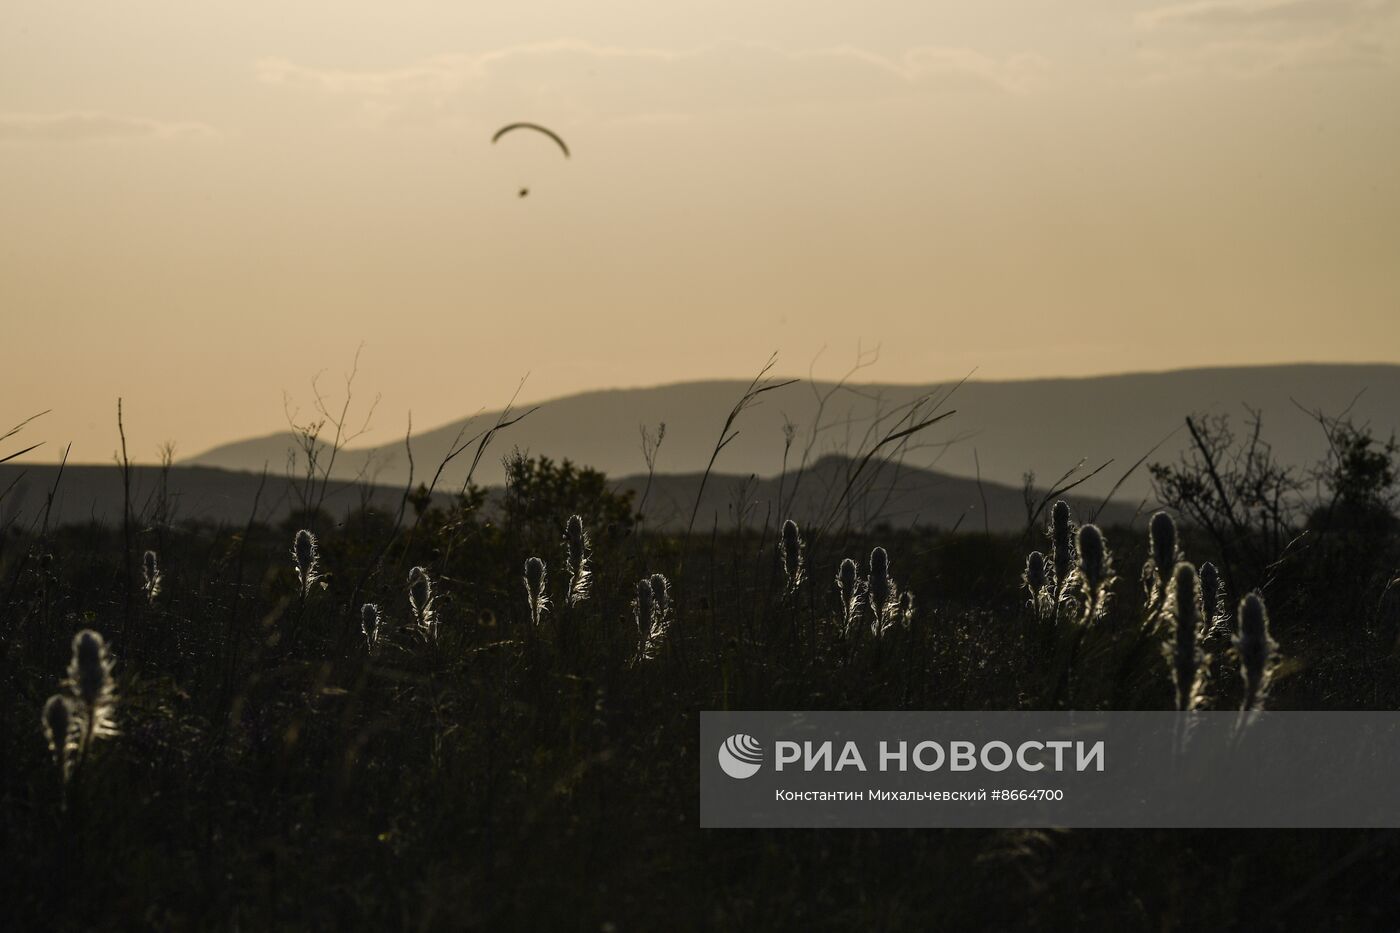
[{"x": 969, "y": 379}]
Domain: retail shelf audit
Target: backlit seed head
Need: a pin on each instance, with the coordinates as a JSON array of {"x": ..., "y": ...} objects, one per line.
[
  {"x": 1162, "y": 537},
  {"x": 534, "y": 588},
  {"x": 653, "y": 618},
  {"x": 1093, "y": 555},
  {"x": 305, "y": 548},
  {"x": 644, "y": 602},
  {"x": 90, "y": 678},
  {"x": 846, "y": 576},
  {"x": 790, "y": 547},
  {"x": 369, "y": 623},
  {"x": 90, "y": 656},
  {"x": 1210, "y": 591},
  {"x": 1256, "y": 649},
  {"x": 848, "y": 585},
  {"x": 1254, "y": 632},
  {"x": 880, "y": 588},
  {"x": 534, "y": 574},
  {"x": 574, "y": 537},
  {"x": 1035, "y": 572},
  {"x": 1185, "y": 656},
  {"x": 306, "y": 555},
  {"x": 879, "y": 564},
  {"x": 420, "y": 598},
  {"x": 1184, "y": 594},
  {"x": 420, "y": 586},
  {"x": 576, "y": 545},
  {"x": 59, "y": 726},
  {"x": 660, "y": 592},
  {"x": 150, "y": 572}
]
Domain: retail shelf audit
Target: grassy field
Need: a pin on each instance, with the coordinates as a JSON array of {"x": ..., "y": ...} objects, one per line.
[{"x": 275, "y": 770}]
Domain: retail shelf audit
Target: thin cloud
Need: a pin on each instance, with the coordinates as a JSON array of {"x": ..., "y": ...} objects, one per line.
[
  {"x": 1251, "y": 59},
  {"x": 85, "y": 126},
  {"x": 615, "y": 81},
  {"x": 1250, "y": 39},
  {"x": 1267, "y": 13}
]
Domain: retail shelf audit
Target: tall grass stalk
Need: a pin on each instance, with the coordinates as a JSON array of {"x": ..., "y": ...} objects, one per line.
[
  {"x": 1257, "y": 652},
  {"x": 535, "y": 579},
  {"x": 1187, "y": 662}
]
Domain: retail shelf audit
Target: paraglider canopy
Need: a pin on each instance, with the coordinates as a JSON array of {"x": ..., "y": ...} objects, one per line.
[{"x": 510, "y": 127}]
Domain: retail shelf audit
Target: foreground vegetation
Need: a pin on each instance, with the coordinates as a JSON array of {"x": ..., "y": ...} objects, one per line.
[{"x": 502, "y": 743}]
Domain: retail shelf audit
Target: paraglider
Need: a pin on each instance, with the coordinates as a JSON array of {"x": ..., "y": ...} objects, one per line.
[
  {"x": 523, "y": 191},
  {"x": 563, "y": 146}
]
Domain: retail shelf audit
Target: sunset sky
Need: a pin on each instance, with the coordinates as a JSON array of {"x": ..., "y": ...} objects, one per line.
[{"x": 205, "y": 203}]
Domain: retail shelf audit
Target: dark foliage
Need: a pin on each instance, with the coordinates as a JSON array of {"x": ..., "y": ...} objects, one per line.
[{"x": 273, "y": 774}]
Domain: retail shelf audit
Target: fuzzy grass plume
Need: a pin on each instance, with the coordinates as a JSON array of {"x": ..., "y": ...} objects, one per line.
[
  {"x": 1034, "y": 576},
  {"x": 1094, "y": 570},
  {"x": 882, "y": 591},
  {"x": 87, "y": 709},
  {"x": 93, "y": 689},
  {"x": 535, "y": 580},
  {"x": 1163, "y": 556},
  {"x": 306, "y": 558},
  {"x": 577, "y": 547},
  {"x": 1184, "y": 653},
  {"x": 660, "y": 593},
  {"x": 643, "y": 608},
  {"x": 151, "y": 575},
  {"x": 1037, "y": 583},
  {"x": 652, "y": 610},
  {"x": 420, "y": 600},
  {"x": 1215, "y": 616},
  {"x": 369, "y": 624},
  {"x": 790, "y": 549},
  {"x": 1257, "y": 651},
  {"x": 849, "y": 588},
  {"x": 62, "y": 731}
]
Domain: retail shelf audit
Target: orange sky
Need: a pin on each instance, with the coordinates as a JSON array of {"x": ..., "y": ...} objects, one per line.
[{"x": 204, "y": 204}]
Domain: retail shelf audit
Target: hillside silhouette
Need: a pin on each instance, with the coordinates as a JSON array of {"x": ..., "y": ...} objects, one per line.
[
  {"x": 885, "y": 494},
  {"x": 1008, "y": 428}
]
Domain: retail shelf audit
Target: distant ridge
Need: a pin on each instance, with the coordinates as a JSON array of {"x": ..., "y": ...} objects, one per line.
[
  {"x": 205, "y": 494},
  {"x": 1040, "y": 425},
  {"x": 886, "y": 495}
]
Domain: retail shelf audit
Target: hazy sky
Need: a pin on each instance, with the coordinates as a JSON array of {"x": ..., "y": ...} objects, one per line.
[{"x": 205, "y": 203}]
